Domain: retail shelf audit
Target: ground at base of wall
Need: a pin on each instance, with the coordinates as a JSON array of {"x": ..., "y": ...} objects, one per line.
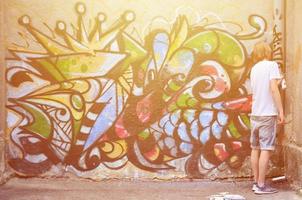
[
  {"x": 66, "y": 188},
  {"x": 293, "y": 167}
]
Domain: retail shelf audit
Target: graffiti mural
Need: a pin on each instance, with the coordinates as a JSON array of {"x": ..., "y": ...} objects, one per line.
[
  {"x": 100, "y": 96},
  {"x": 278, "y": 40}
]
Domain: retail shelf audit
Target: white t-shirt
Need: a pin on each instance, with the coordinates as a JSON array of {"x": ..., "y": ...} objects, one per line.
[{"x": 261, "y": 74}]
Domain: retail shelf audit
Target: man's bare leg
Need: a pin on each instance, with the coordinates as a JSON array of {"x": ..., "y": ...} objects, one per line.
[
  {"x": 255, "y": 163},
  {"x": 263, "y": 163}
]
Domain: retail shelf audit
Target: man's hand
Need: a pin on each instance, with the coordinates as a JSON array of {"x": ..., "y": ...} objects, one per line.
[{"x": 281, "y": 119}]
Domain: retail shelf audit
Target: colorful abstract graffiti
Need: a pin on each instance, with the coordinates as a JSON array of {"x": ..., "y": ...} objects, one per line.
[{"x": 101, "y": 97}]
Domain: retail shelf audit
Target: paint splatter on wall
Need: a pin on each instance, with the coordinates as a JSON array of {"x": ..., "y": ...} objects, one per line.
[{"x": 100, "y": 96}]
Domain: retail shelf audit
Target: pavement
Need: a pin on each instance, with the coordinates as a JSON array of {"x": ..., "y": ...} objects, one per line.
[{"x": 126, "y": 189}]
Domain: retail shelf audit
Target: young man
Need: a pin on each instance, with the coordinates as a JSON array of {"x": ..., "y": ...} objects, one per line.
[{"x": 267, "y": 111}]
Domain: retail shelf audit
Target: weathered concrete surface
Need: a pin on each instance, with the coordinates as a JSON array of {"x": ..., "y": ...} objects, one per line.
[
  {"x": 2, "y": 159},
  {"x": 293, "y": 164},
  {"x": 63, "y": 188},
  {"x": 293, "y": 105},
  {"x": 2, "y": 92}
]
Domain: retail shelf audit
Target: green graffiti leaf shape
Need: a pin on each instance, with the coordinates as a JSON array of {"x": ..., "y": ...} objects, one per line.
[
  {"x": 221, "y": 45},
  {"x": 136, "y": 51},
  {"x": 205, "y": 42},
  {"x": 50, "y": 69},
  {"x": 144, "y": 134},
  {"x": 77, "y": 102},
  {"x": 230, "y": 51},
  {"x": 234, "y": 131},
  {"x": 185, "y": 100},
  {"x": 41, "y": 124}
]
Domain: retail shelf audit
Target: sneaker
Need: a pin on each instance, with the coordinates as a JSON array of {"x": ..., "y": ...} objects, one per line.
[
  {"x": 255, "y": 186},
  {"x": 265, "y": 190}
]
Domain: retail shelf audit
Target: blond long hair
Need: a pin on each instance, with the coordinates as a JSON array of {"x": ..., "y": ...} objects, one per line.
[{"x": 261, "y": 51}]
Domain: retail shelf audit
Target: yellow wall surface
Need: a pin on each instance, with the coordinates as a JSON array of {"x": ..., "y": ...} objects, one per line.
[
  {"x": 156, "y": 13},
  {"x": 293, "y": 96},
  {"x": 132, "y": 88},
  {"x": 294, "y": 62}
]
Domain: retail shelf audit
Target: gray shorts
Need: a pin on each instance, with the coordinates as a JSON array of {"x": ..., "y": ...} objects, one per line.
[{"x": 263, "y": 134}]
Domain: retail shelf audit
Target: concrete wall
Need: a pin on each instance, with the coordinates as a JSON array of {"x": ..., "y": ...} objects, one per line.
[
  {"x": 142, "y": 89},
  {"x": 293, "y": 142},
  {"x": 2, "y": 90}
]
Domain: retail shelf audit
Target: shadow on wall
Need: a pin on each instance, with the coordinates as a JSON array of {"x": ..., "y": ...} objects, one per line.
[{"x": 101, "y": 97}]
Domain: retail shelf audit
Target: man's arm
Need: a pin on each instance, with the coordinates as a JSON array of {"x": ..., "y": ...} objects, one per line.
[{"x": 277, "y": 99}]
